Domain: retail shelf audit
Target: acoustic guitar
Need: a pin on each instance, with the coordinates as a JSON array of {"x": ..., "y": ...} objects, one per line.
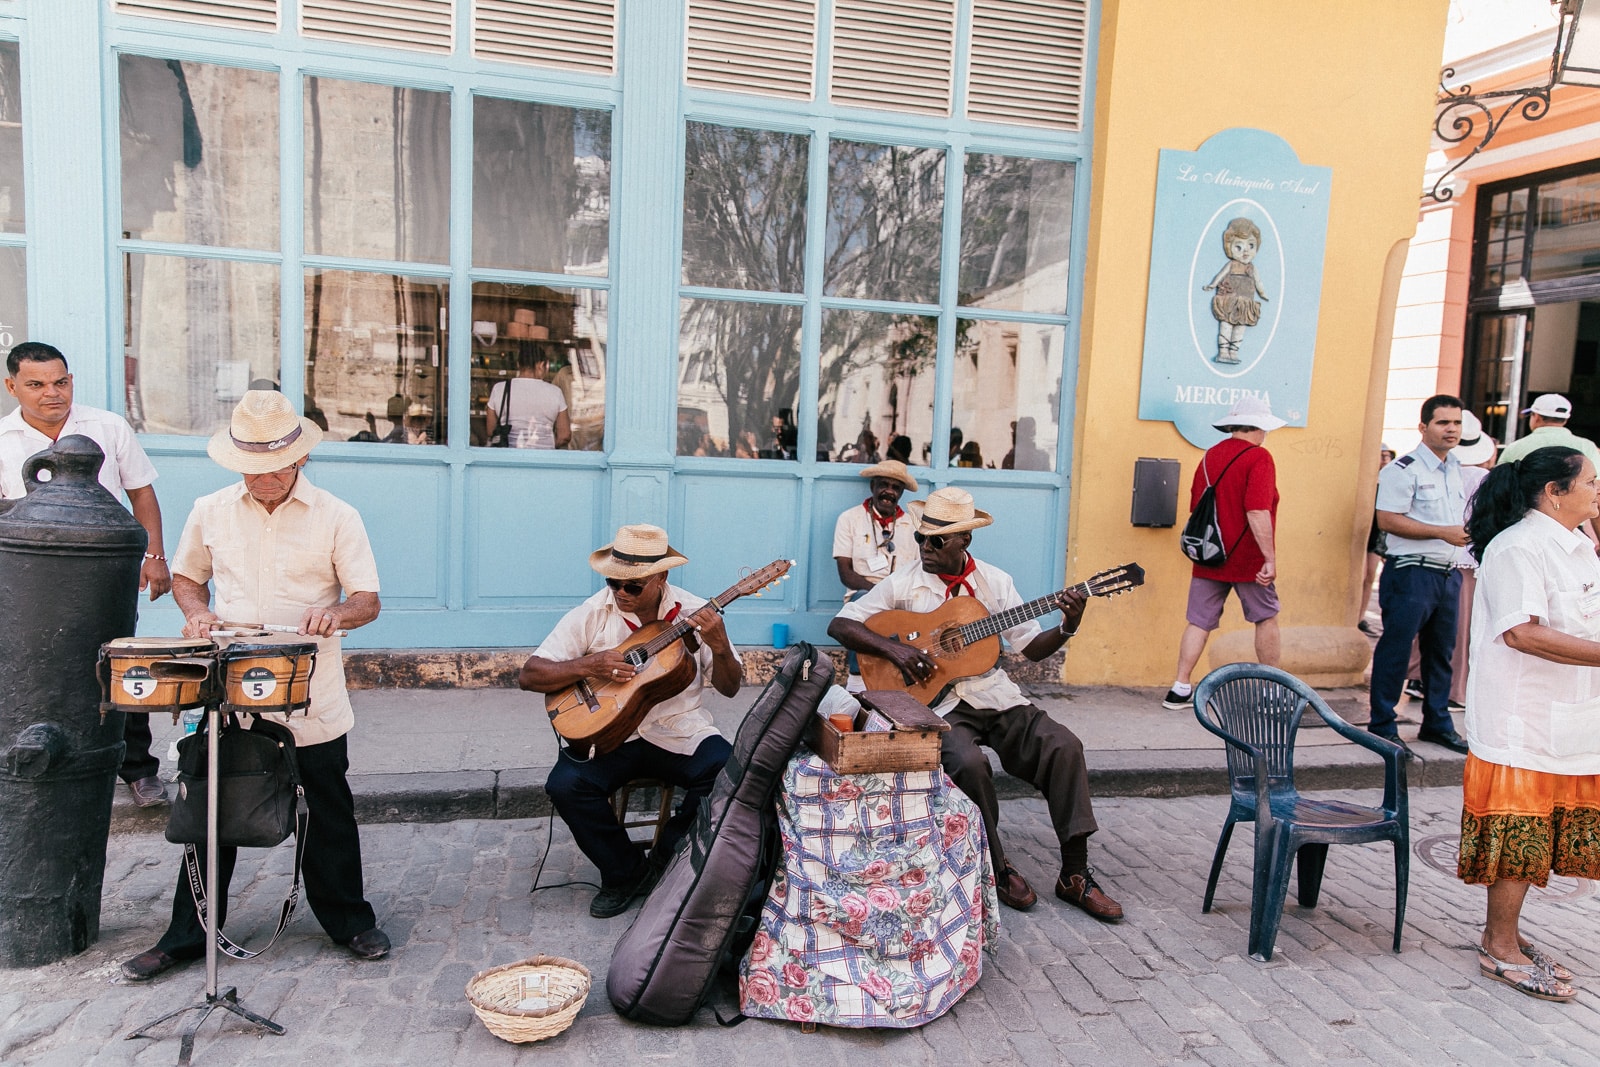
[
  {"x": 601, "y": 715},
  {"x": 962, "y": 640}
]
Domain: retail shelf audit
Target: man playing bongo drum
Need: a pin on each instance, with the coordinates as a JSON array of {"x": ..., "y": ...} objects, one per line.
[
  {"x": 675, "y": 742},
  {"x": 275, "y": 526}
]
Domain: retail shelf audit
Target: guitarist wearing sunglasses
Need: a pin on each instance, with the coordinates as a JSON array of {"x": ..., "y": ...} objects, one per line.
[
  {"x": 990, "y": 709},
  {"x": 675, "y": 742}
]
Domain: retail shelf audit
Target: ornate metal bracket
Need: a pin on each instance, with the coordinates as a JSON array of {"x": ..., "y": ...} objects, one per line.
[{"x": 1463, "y": 114}]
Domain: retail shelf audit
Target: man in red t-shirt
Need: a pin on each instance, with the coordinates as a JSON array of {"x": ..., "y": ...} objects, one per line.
[{"x": 1247, "y": 511}]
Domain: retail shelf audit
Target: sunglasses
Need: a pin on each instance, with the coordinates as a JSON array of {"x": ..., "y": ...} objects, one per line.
[
  {"x": 632, "y": 588},
  {"x": 935, "y": 541}
]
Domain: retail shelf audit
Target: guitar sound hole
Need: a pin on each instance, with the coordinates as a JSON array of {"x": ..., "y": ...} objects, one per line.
[
  {"x": 636, "y": 659},
  {"x": 950, "y": 641}
]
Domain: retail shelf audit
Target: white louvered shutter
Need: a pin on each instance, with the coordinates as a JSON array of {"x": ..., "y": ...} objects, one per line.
[
  {"x": 1027, "y": 62},
  {"x": 753, "y": 46},
  {"x": 426, "y": 25},
  {"x": 235, "y": 14},
  {"x": 894, "y": 54},
  {"x": 570, "y": 34}
]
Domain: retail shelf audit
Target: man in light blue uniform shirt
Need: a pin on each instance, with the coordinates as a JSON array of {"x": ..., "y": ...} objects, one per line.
[{"x": 1420, "y": 507}]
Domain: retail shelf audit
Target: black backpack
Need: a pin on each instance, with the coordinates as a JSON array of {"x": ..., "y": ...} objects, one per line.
[{"x": 1202, "y": 535}]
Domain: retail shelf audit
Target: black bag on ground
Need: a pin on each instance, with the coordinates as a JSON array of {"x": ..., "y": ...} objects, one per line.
[
  {"x": 258, "y": 785},
  {"x": 704, "y": 909},
  {"x": 1201, "y": 540}
]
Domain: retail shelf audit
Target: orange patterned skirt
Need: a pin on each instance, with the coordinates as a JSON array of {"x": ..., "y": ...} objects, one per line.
[{"x": 1522, "y": 825}]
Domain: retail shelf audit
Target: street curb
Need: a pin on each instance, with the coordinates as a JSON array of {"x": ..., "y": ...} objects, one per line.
[{"x": 518, "y": 793}]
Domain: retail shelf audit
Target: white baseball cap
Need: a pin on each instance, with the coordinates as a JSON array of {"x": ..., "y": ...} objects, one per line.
[{"x": 1551, "y": 406}]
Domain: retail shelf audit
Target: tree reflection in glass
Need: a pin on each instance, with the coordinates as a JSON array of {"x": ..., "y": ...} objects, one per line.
[
  {"x": 744, "y": 208},
  {"x": 885, "y": 218},
  {"x": 1016, "y": 233},
  {"x": 738, "y": 379}
]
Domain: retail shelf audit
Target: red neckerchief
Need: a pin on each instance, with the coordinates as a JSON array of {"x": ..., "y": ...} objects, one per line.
[
  {"x": 673, "y": 614},
  {"x": 954, "y": 582},
  {"x": 886, "y": 525}
]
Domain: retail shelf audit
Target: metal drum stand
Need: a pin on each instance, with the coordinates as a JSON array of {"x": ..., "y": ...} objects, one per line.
[{"x": 227, "y": 999}]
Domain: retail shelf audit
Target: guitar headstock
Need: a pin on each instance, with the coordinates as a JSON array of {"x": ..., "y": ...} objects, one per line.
[
  {"x": 1114, "y": 580},
  {"x": 752, "y": 583}
]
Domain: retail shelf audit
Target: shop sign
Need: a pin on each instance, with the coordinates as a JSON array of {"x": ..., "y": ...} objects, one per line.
[{"x": 1235, "y": 282}]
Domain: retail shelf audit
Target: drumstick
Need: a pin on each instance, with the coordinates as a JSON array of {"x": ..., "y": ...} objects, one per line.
[{"x": 276, "y": 628}]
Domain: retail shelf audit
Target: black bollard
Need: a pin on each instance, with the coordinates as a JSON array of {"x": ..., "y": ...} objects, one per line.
[{"x": 69, "y": 582}]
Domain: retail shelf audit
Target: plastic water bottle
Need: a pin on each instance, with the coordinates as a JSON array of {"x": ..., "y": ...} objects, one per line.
[{"x": 191, "y": 723}]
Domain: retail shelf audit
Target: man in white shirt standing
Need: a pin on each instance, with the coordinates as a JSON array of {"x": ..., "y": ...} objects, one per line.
[
  {"x": 676, "y": 741},
  {"x": 278, "y": 550},
  {"x": 873, "y": 540},
  {"x": 37, "y": 376}
]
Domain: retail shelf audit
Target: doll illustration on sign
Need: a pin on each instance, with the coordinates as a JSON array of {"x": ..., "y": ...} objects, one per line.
[{"x": 1235, "y": 305}]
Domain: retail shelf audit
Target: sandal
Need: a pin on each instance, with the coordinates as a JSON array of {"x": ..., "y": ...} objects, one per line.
[
  {"x": 1537, "y": 982},
  {"x": 1547, "y": 963}
]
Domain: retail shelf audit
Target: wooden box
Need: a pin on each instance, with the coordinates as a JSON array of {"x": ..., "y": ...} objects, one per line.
[{"x": 910, "y": 744}]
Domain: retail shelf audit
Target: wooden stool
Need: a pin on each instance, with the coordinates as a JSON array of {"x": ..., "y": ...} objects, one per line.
[{"x": 619, "y": 806}]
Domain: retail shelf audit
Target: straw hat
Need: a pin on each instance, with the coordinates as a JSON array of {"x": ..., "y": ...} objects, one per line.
[
  {"x": 894, "y": 470},
  {"x": 264, "y": 435},
  {"x": 949, "y": 510},
  {"x": 637, "y": 552},
  {"x": 1476, "y": 446}
]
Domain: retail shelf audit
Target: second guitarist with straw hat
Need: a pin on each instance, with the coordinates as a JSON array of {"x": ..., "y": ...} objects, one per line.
[
  {"x": 676, "y": 742},
  {"x": 990, "y": 709}
]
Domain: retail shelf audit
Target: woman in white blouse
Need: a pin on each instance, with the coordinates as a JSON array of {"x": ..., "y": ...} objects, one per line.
[{"x": 1531, "y": 789}]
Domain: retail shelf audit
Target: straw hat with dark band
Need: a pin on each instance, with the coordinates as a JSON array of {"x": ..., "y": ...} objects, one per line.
[
  {"x": 893, "y": 470},
  {"x": 264, "y": 435},
  {"x": 949, "y": 510},
  {"x": 637, "y": 552}
]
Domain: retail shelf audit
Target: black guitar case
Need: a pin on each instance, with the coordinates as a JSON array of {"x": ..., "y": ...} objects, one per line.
[{"x": 704, "y": 908}]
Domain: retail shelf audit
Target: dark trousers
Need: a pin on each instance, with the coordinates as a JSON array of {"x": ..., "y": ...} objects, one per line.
[
  {"x": 1031, "y": 746},
  {"x": 581, "y": 792},
  {"x": 137, "y": 762},
  {"x": 332, "y": 861},
  {"x": 1417, "y": 604}
]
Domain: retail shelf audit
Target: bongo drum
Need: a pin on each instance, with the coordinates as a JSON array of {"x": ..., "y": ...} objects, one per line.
[
  {"x": 267, "y": 677},
  {"x": 134, "y": 684}
]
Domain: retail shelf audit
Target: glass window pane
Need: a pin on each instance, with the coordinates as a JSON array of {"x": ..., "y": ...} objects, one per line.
[
  {"x": 1566, "y": 240},
  {"x": 12, "y": 212},
  {"x": 377, "y": 171},
  {"x": 1016, "y": 233},
  {"x": 541, "y": 187},
  {"x": 13, "y": 309},
  {"x": 1006, "y": 394},
  {"x": 738, "y": 379},
  {"x": 744, "y": 208},
  {"x": 885, "y": 217},
  {"x": 875, "y": 391},
  {"x": 555, "y": 336},
  {"x": 197, "y": 333},
  {"x": 199, "y": 153},
  {"x": 376, "y": 351}
]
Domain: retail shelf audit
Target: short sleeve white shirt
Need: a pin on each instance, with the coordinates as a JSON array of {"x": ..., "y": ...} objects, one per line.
[
  {"x": 269, "y": 567},
  {"x": 1523, "y": 711},
  {"x": 677, "y": 724},
  {"x": 126, "y": 465},
  {"x": 535, "y": 406},
  {"x": 914, "y": 589},
  {"x": 858, "y": 537}
]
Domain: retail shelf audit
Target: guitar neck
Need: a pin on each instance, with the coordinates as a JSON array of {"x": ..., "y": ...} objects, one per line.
[
  {"x": 1002, "y": 621},
  {"x": 683, "y": 627}
]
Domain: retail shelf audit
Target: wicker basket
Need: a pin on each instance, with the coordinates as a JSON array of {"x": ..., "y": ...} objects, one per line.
[{"x": 494, "y": 994}]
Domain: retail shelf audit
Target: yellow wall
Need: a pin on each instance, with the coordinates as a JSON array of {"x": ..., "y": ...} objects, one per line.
[{"x": 1349, "y": 86}]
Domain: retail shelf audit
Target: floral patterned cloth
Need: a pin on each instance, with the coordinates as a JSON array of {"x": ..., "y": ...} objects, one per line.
[
  {"x": 884, "y": 900},
  {"x": 1522, "y": 825}
]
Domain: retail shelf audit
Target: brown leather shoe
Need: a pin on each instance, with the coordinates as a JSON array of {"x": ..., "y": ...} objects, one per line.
[
  {"x": 1082, "y": 891},
  {"x": 1013, "y": 889},
  {"x": 146, "y": 965}
]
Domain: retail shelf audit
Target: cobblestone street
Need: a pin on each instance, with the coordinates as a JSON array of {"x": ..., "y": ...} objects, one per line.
[{"x": 1170, "y": 986}]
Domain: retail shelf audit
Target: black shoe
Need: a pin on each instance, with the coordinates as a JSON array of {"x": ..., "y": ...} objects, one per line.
[
  {"x": 1367, "y": 628},
  {"x": 1173, "y": 702},
  {"x": 1393, "y": 739},
  {"x": 1413, "y": 689},
  {"x": 1444, "y": 739},
  {"x": 146, "y": 965},
  {"x": 372, "y": 945},
  {"x": 614, "y": 900},
  {"x": 1455, "y": 706}
]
